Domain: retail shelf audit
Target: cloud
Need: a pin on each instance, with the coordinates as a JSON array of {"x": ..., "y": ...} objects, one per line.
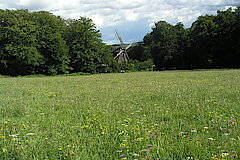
[{"x": 109, "y": 14}]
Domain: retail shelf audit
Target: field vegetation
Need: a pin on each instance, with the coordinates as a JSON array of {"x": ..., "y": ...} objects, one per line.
[{"x": 141, "y": 115}]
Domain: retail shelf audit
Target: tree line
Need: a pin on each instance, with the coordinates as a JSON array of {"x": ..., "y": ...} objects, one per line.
[
  {"x": 42, "y": 43},
  {"x": 213, "y": 41}
]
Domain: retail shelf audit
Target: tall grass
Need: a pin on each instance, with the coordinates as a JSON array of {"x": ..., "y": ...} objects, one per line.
[{"x": 148, "y": 115}]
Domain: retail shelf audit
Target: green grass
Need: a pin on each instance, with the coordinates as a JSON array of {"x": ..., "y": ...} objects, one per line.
[{"x": 143, "y": 115}]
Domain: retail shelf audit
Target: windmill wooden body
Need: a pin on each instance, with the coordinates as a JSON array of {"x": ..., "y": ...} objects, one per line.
[{"x": 122, "y": 56}]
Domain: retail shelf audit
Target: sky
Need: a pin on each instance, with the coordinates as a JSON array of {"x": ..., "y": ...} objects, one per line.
[{"x": 133, "y": 19}]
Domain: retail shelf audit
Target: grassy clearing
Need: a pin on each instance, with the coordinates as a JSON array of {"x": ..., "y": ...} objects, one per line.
[{"x": 149, "y": 115}]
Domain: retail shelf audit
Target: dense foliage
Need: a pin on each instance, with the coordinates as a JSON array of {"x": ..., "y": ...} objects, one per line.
[
  {"x": 41, "y": 43},
  {"x": 211, "y": 42}
]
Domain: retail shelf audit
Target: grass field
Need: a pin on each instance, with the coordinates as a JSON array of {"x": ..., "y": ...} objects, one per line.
[{"x": 143, "y": 115}]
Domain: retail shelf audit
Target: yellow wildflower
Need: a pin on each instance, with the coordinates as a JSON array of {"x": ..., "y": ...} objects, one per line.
[
  {"x": 120, "y": 133},
  {"x": 122, "y": 145},
  {"x": 85, "y": 126},
  {"x": 4, "y": 149}
]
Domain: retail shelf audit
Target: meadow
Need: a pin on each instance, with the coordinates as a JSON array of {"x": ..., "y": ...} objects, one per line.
[{"x": 141, "y": 115}]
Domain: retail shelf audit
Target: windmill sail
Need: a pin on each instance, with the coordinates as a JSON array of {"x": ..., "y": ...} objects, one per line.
[
  {"x": 122, "y": 56},
  {"x": 119, "y": 38}
]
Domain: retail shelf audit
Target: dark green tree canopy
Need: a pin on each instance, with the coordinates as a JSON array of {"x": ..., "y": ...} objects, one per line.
[
  {"x": 87, "y": 51},
  {"x": 42, "y": 43},
  {"x": 211, "y": 42}
]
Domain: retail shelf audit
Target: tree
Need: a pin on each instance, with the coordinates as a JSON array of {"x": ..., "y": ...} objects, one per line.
[
  {"x": 51, "y": 44},
  {"x": 19, "y": 54},
  {"x": 137, "y": 52},
  {"x": 227, "y": 41},
  {"x": 87, "y": 51},
  {"x": 165, "y": 43},
  {"x": 203, "y": 32}
]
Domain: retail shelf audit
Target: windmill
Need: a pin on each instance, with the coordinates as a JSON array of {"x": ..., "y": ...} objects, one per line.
[{"x": 122, "y": 55}]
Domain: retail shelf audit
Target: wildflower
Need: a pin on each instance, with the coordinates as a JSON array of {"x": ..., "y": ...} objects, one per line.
[
  {"x": 154, "y": 136},
  {"x": 53, "y": 127},
  {"x": 138, "y": 139},
  {"x": 59, "y": 149},
  {"x": 145, "y": 150},
  {"x": 149, "y": 145},
  {"x": 194, "y": 131},
  {"x": 120, "y": 133},
  {"x": 4, "y": 149},
  {"x": 222, "y": 156},
  {"x": 85, "y": 126},
  {"x": 214, "y": 157},
  {"x": 13, "y": 135},
  {"x": 24, "y": 137},
  {"x": 205, "y": 127},
  {"x": 122, "y": 145},
  {"x": 136, "y": 155},
  {"x": 211, "y": 139},
  {"x": 30, "y": 134},
  {"x": 198, "y": 141},
  {"x": 48, "y": 143},
  {"x": 102, "y": 132},
  {"x": 184, "y": 132},
  {"x": 225, "y": 154},
  {"x": 20, "y": 147},
  {"x": 71, "y": 153},
  {"x": 122, "y": 155}
]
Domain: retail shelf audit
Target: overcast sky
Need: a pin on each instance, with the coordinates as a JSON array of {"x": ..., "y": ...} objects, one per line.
[{"x": 132, "y": 18}]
